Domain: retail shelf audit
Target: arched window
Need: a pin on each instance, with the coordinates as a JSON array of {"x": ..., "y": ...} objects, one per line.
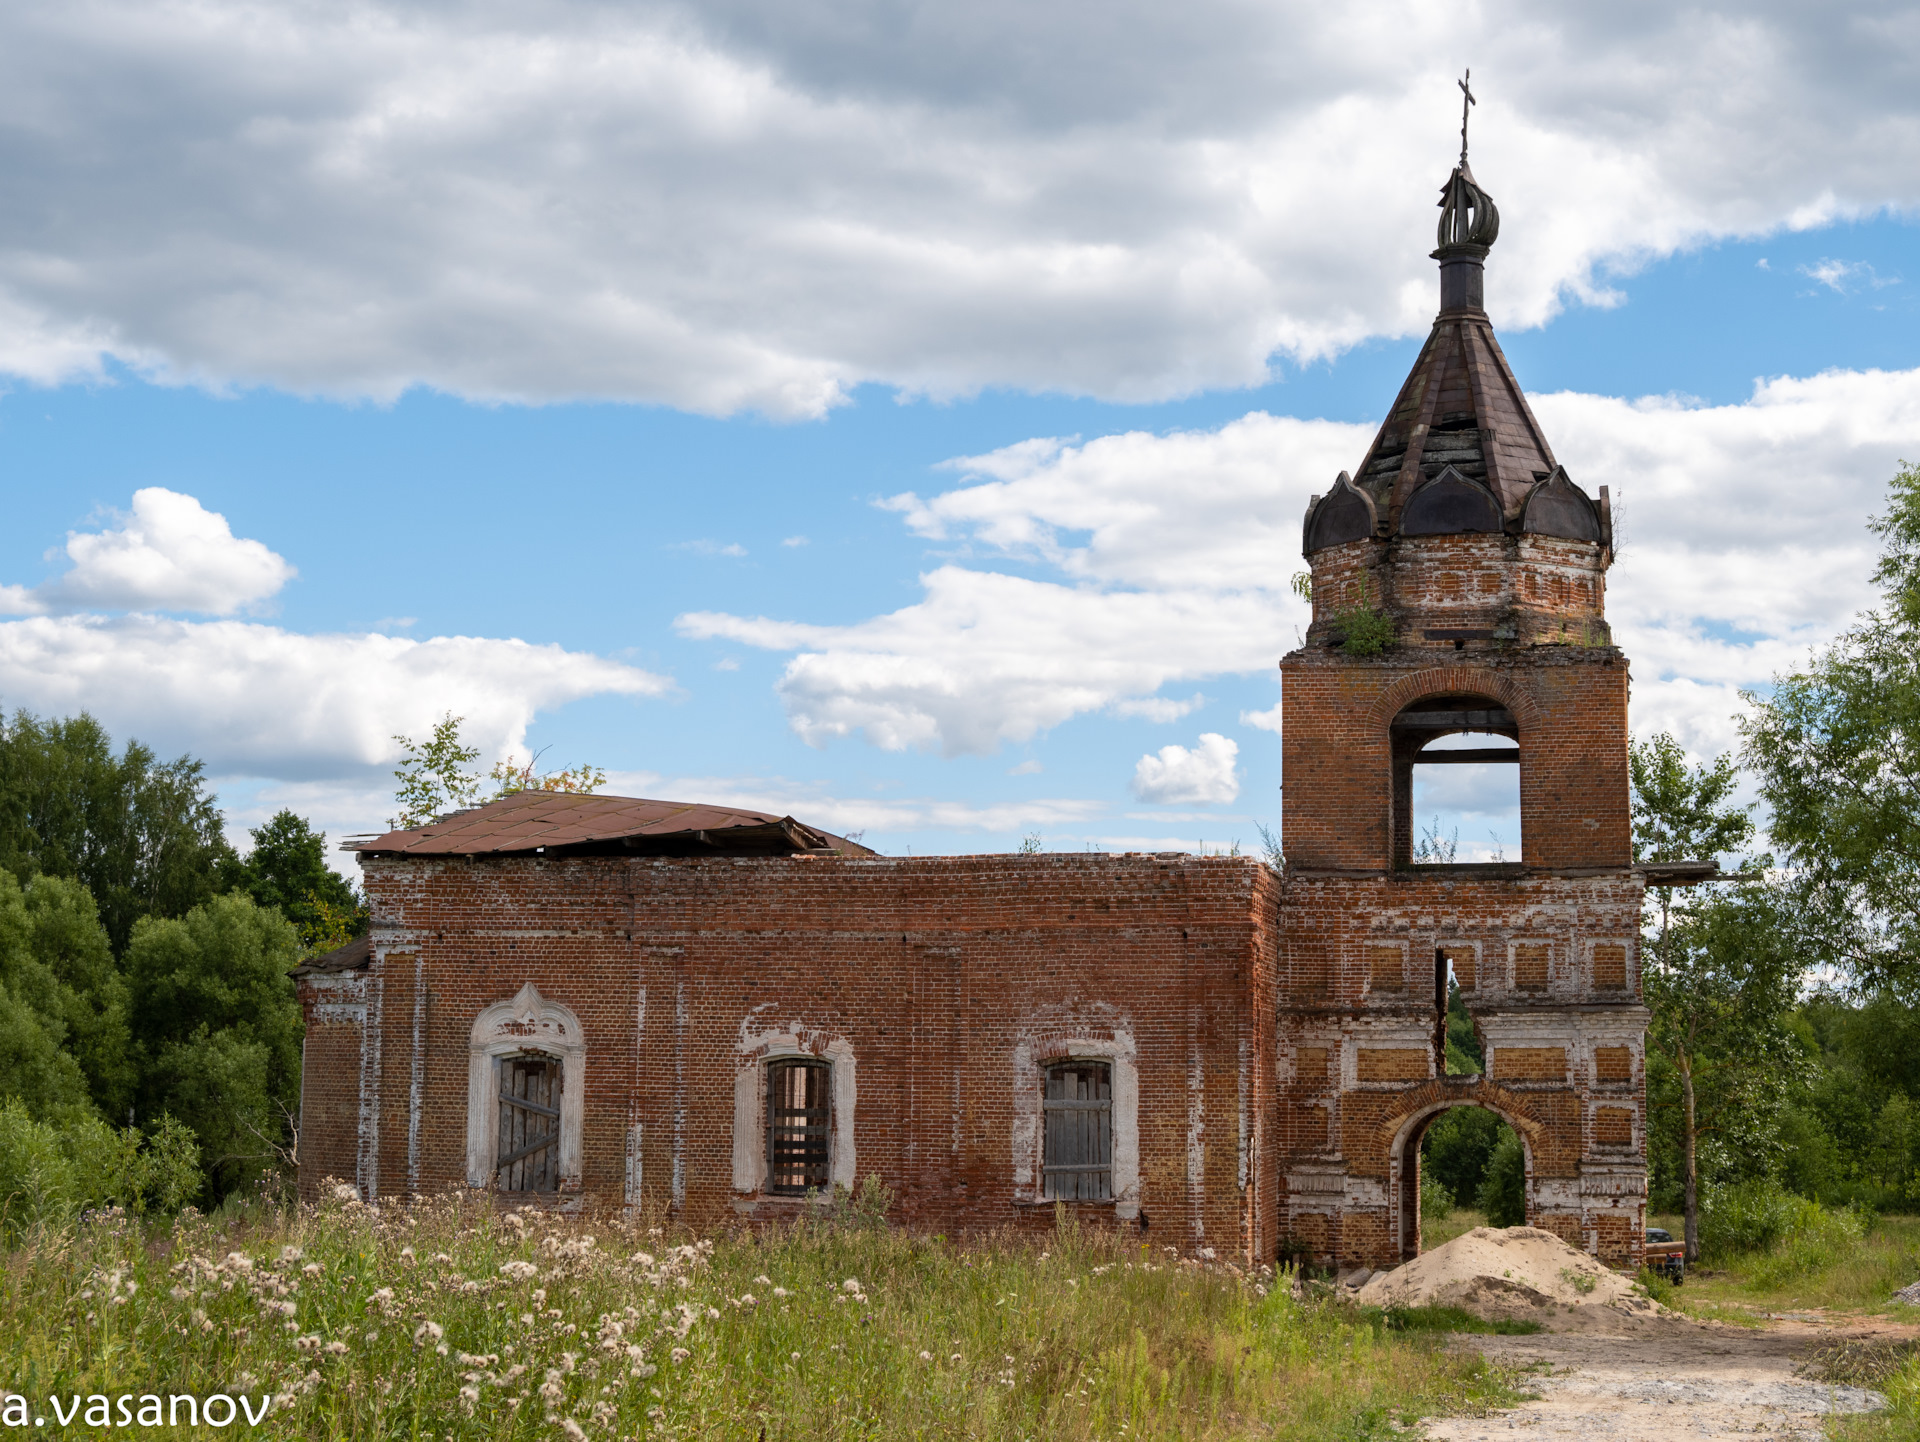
[
  {"x": 799, "y": 1126},
  {"x": 1456, "y": 782},
  {"x": 1077, "y": 1164},
  {"x": 526, "y": 1076}
]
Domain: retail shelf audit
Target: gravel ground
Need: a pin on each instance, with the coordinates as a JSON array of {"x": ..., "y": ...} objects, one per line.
[{"x": 1666, "y": 1378}]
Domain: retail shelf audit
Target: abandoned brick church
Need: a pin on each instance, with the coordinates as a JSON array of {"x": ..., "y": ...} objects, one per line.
[{"x": 726, "y": 1014}]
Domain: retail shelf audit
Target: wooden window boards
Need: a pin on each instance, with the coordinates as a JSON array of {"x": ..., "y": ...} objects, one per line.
[{"x": 1078, "y": 1103}]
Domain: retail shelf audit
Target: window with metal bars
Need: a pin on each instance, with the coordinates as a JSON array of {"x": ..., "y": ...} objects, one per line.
[
  {"x": 529, "y": 1153},
  {"x": 799, "y": 1126},
  {"x": 1078, "y": 1102}
]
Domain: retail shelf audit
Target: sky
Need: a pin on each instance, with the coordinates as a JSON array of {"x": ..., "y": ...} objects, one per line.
[{"x": 898, "y": 415}]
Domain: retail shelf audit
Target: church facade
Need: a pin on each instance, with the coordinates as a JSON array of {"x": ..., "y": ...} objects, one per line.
[{"x": 727, "y": 1015}]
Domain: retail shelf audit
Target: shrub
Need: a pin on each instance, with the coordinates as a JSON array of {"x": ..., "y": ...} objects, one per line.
[
  {"x": 1364, "y": 629},
  {"x": 50, "y": 1172},
  {"x": 1749, "y": 1217},
  {"x": 1793, "y": 1236},
  {"x": 1436, "y": 1202},
  {"x": 1503, "y": 1195}
]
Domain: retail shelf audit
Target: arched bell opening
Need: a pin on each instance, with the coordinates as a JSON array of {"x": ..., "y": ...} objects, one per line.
[
  {"x": 1410, "y": 1163},
  {"x": 1477, "y": 739}
]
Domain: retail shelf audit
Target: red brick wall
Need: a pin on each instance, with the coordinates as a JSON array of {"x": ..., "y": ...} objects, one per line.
[
  {"x": 335, "y": 1009},
  {"x": 1571, "y": 705},
  {"x": 931, "y": 968}
]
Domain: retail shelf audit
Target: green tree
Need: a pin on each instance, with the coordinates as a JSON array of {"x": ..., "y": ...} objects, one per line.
[
  {"x": 39, "y": 1012},
  {"x": 1710, "y": 1007},
  {"x": 143, "y": 836},
  {"x": 288, "y": 868},
  {"x": 433, "y": 777},
  {"x": 218, "y": 1029},
  {"x": 1457, "y": 1148},
  {"x": 1503, "y": 1190},
  {"x": 1836, "y": 749},
  {"x": 64, "y": 935},
  {"x": 1719, "y": 984}
]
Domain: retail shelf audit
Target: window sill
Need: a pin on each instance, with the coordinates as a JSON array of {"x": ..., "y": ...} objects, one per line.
[
  {"x": 780, "y": 1202},
  {"x": 1050, "y": 1202}
]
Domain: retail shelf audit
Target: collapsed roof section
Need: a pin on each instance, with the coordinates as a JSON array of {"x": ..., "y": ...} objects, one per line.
[{"x": 559, "y": 823}]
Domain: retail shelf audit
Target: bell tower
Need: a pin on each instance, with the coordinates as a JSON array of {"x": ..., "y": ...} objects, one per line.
[{"x": 1459, "y": 586}]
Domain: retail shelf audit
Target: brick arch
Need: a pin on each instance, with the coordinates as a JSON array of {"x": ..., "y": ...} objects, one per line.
[
  {"x": 1443, "y": 1094},
  {"x": 1409, "y": 1120},
  {"x": 1437, "y": 680}
]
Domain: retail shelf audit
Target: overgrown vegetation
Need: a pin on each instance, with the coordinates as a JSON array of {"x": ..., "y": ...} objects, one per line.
[
  {"x": 1810, "y": 1256},
  {"x": 1364, "y": 628},
  {"x": 451, "y": 1319},
  {"x": 148, "y": 1028}
]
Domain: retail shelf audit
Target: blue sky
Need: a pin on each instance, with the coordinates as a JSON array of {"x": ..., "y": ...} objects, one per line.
[{"x": 707, "y": 455}]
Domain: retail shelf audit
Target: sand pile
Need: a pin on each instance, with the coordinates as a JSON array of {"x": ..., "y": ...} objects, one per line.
[{"x": 1513, "y": 1273}]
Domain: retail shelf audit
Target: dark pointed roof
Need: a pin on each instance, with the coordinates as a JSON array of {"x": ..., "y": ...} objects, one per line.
[{"x": 1460, "y": 407}]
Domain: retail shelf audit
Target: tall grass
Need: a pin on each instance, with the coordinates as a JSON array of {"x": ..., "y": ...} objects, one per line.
[
  {"x": 1824, "y": 1257},
  {"x": 446, "y": 1319}
]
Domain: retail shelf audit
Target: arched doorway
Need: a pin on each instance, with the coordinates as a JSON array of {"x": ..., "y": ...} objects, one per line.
[{"x": 1407, "y": 1165}]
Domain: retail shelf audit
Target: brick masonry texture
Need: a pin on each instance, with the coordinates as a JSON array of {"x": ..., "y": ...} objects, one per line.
[
  {"x": 933, "y": 973},
  {"x": 1275, "y": 1039}
]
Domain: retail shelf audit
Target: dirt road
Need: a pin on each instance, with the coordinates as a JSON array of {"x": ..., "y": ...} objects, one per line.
[{"x": 1665, "y": 1379}]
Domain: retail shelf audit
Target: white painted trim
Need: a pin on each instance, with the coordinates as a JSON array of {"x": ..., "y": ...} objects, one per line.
[
  {"x": 528, "y": 1023},
  {"x": 795, "y": 1041},
  {"x": 1040, "y": 1041}
]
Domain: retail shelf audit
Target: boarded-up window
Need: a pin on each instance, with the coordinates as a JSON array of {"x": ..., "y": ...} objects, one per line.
[
  {"x": 1613, "y": 1127},
  {"x": 1394, "y": 1064},
  {"x": 1612, "y": 1064},
  {"x": 1530, "y": 966},
  {"x": 1310, "y": 1064},
  {"x": 1078, "y": 1166},
  {"x": 529, "y": 1151},
  {"x": 1609, "y": 966},
  {"x": 1530, "y": 1063},
  {"x": 799, "y": 1124},
  {"x": 1389, "y": 968},
  {"x": 1464, "y": 961}
]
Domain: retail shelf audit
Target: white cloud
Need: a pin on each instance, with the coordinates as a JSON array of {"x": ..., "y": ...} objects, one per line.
[
  {"x": 988, "y": 658},
  {"x": 1267, "y": 720},
  {"x": 816, "y": 805},
  {"x": 1204, "y": 775},
  {"x": 749, "y": 204},
  {"x": 795, "y": 541},
  {"x": 1030, "y": 767},
  {"x": 709, "y": 548},
  {"x": 1744, "y": 544},
  {"x": 1160, "y": 709},
  {"x": 168, "y": 554},
  {"x": 1844, "y": 276},
  {"x": 258, "y": 700}
]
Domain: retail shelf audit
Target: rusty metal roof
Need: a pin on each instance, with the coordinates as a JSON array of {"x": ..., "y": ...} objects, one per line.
[
  {"x": 549, "y": 821},
  {"x": 354, "y": 956}
]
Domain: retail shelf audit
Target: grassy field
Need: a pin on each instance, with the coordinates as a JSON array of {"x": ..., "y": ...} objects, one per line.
[
  {"x": 447, "y": 1321},
  {"x": 1438, "y": 1231},
  {"x": 1844, "y": 1274}
]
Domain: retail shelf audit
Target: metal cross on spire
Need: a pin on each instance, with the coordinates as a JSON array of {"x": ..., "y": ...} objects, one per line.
[{"x": 1466, "y": 93}]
